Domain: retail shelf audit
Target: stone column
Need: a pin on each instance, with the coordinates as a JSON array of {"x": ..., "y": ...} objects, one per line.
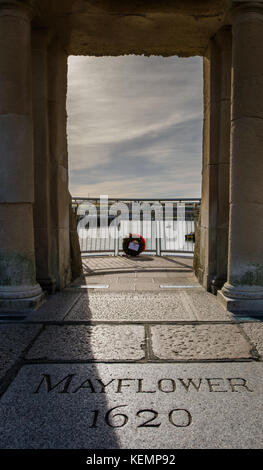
[
  {"x": 211, "y": 74},
  {"x": 244, "y": 289},
  {"x": 18, "y": 286},
  {"x": 224, "y": 42},
  {"x": 216, "y": 143},
  {"x": 60, "y": 199},
  {"x": 43, "y": 198}
]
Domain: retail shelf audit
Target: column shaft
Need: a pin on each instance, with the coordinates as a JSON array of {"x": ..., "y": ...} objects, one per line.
[
  {"x": 60, "y": 199},
  {"x": 43, "y": 199},
  {"x": 224, "y": 41},
  {"x": 212, "y": 265},
  {"x": 18, "y": 286},
  {"x": 211, "y": 74},
  {"x": 244, "y": 289}
]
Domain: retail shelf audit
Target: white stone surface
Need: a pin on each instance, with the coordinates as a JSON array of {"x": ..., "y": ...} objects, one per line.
[
  {"x": 222, "y": 410},
  {"x": 178, "y": 305},
  {"x": 206, "y": 341},
  {"x": 101, "y": 342},
  {"x": 255, "y": 333}
]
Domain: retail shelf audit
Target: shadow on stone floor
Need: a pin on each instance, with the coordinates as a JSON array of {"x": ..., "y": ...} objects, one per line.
[
  {"x": 179, "y": 263},
  {"x": 120, "y": 271},
  {"x": 50, "y": 400}
]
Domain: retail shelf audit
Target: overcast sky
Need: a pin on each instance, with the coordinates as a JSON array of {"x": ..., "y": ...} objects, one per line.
[{"x": 135, "y": 126}]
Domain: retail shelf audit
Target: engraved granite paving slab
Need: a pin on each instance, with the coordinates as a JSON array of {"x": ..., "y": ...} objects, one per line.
[{"x": 149, "y": 406}]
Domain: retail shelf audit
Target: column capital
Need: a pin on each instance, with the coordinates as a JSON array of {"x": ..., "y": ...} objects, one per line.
[
  {"x": 243, "y": 11},
  {"x": 23, "y": 9},
  {"x": 224, "y": 38}
]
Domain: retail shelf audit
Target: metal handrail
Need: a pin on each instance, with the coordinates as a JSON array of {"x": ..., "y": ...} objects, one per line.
[
  {"x": 156, "y": 244},
  {"x": 139, "y": 199}
]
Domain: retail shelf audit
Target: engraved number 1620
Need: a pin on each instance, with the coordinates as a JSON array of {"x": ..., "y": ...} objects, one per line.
[{"x": 179, "y": 417}]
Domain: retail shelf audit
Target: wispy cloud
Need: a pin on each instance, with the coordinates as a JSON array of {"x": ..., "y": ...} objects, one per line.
[{"x": 135, "y": 126}]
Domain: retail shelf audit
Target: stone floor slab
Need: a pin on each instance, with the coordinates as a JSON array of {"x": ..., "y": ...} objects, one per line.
[
  {"x": 130, "y": 307},
  {"x": 205, "y": 306},
  {"x": 105, "y": 264},
  {"x": 150, "y": 275},
  {"x": 100, "y": 279},
  {"x": 177, "y": 279},
  {"x": 199, "y": 342},
  {"x": 255, "y": 333},
  {"x": 148, "y": 286},
  {"x": 102, "y": 342},
  {"x": 169, "y": 406},
  {"x": 56, "y": 307},
  {"x": 131, "y": 274},
  {"x": 154, "y": 305},
  {"x": 14, "y": 339},
  {"x": 126, "y": 280},
  {"x": 182, "y": 272},
  {"x": 125, "y": 286}
]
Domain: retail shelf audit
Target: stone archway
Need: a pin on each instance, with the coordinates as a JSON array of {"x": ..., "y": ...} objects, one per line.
[{"x": 36, "y": 38}]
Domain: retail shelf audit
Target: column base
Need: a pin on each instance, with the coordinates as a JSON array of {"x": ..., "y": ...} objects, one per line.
[
  {"x": 242, "y": 299},
  {"x": 216, "y": 285},
  {"x": 48, "y": 285},
  {"x": 15, "y": 299},
  {"x": 205, "y": 279},
  {"x": 200, "y": 275}
]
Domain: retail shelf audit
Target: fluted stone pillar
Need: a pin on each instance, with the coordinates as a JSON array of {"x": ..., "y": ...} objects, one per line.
[
  {"x": 43, "y": 195},
  {"x": 212, "y": 262},
  {"x": 243, "y": 291},
  {"x": 18, "y": 286}
]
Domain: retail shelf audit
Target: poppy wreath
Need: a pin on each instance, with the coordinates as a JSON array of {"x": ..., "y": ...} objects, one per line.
[{"x": 133, "y": 245}]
